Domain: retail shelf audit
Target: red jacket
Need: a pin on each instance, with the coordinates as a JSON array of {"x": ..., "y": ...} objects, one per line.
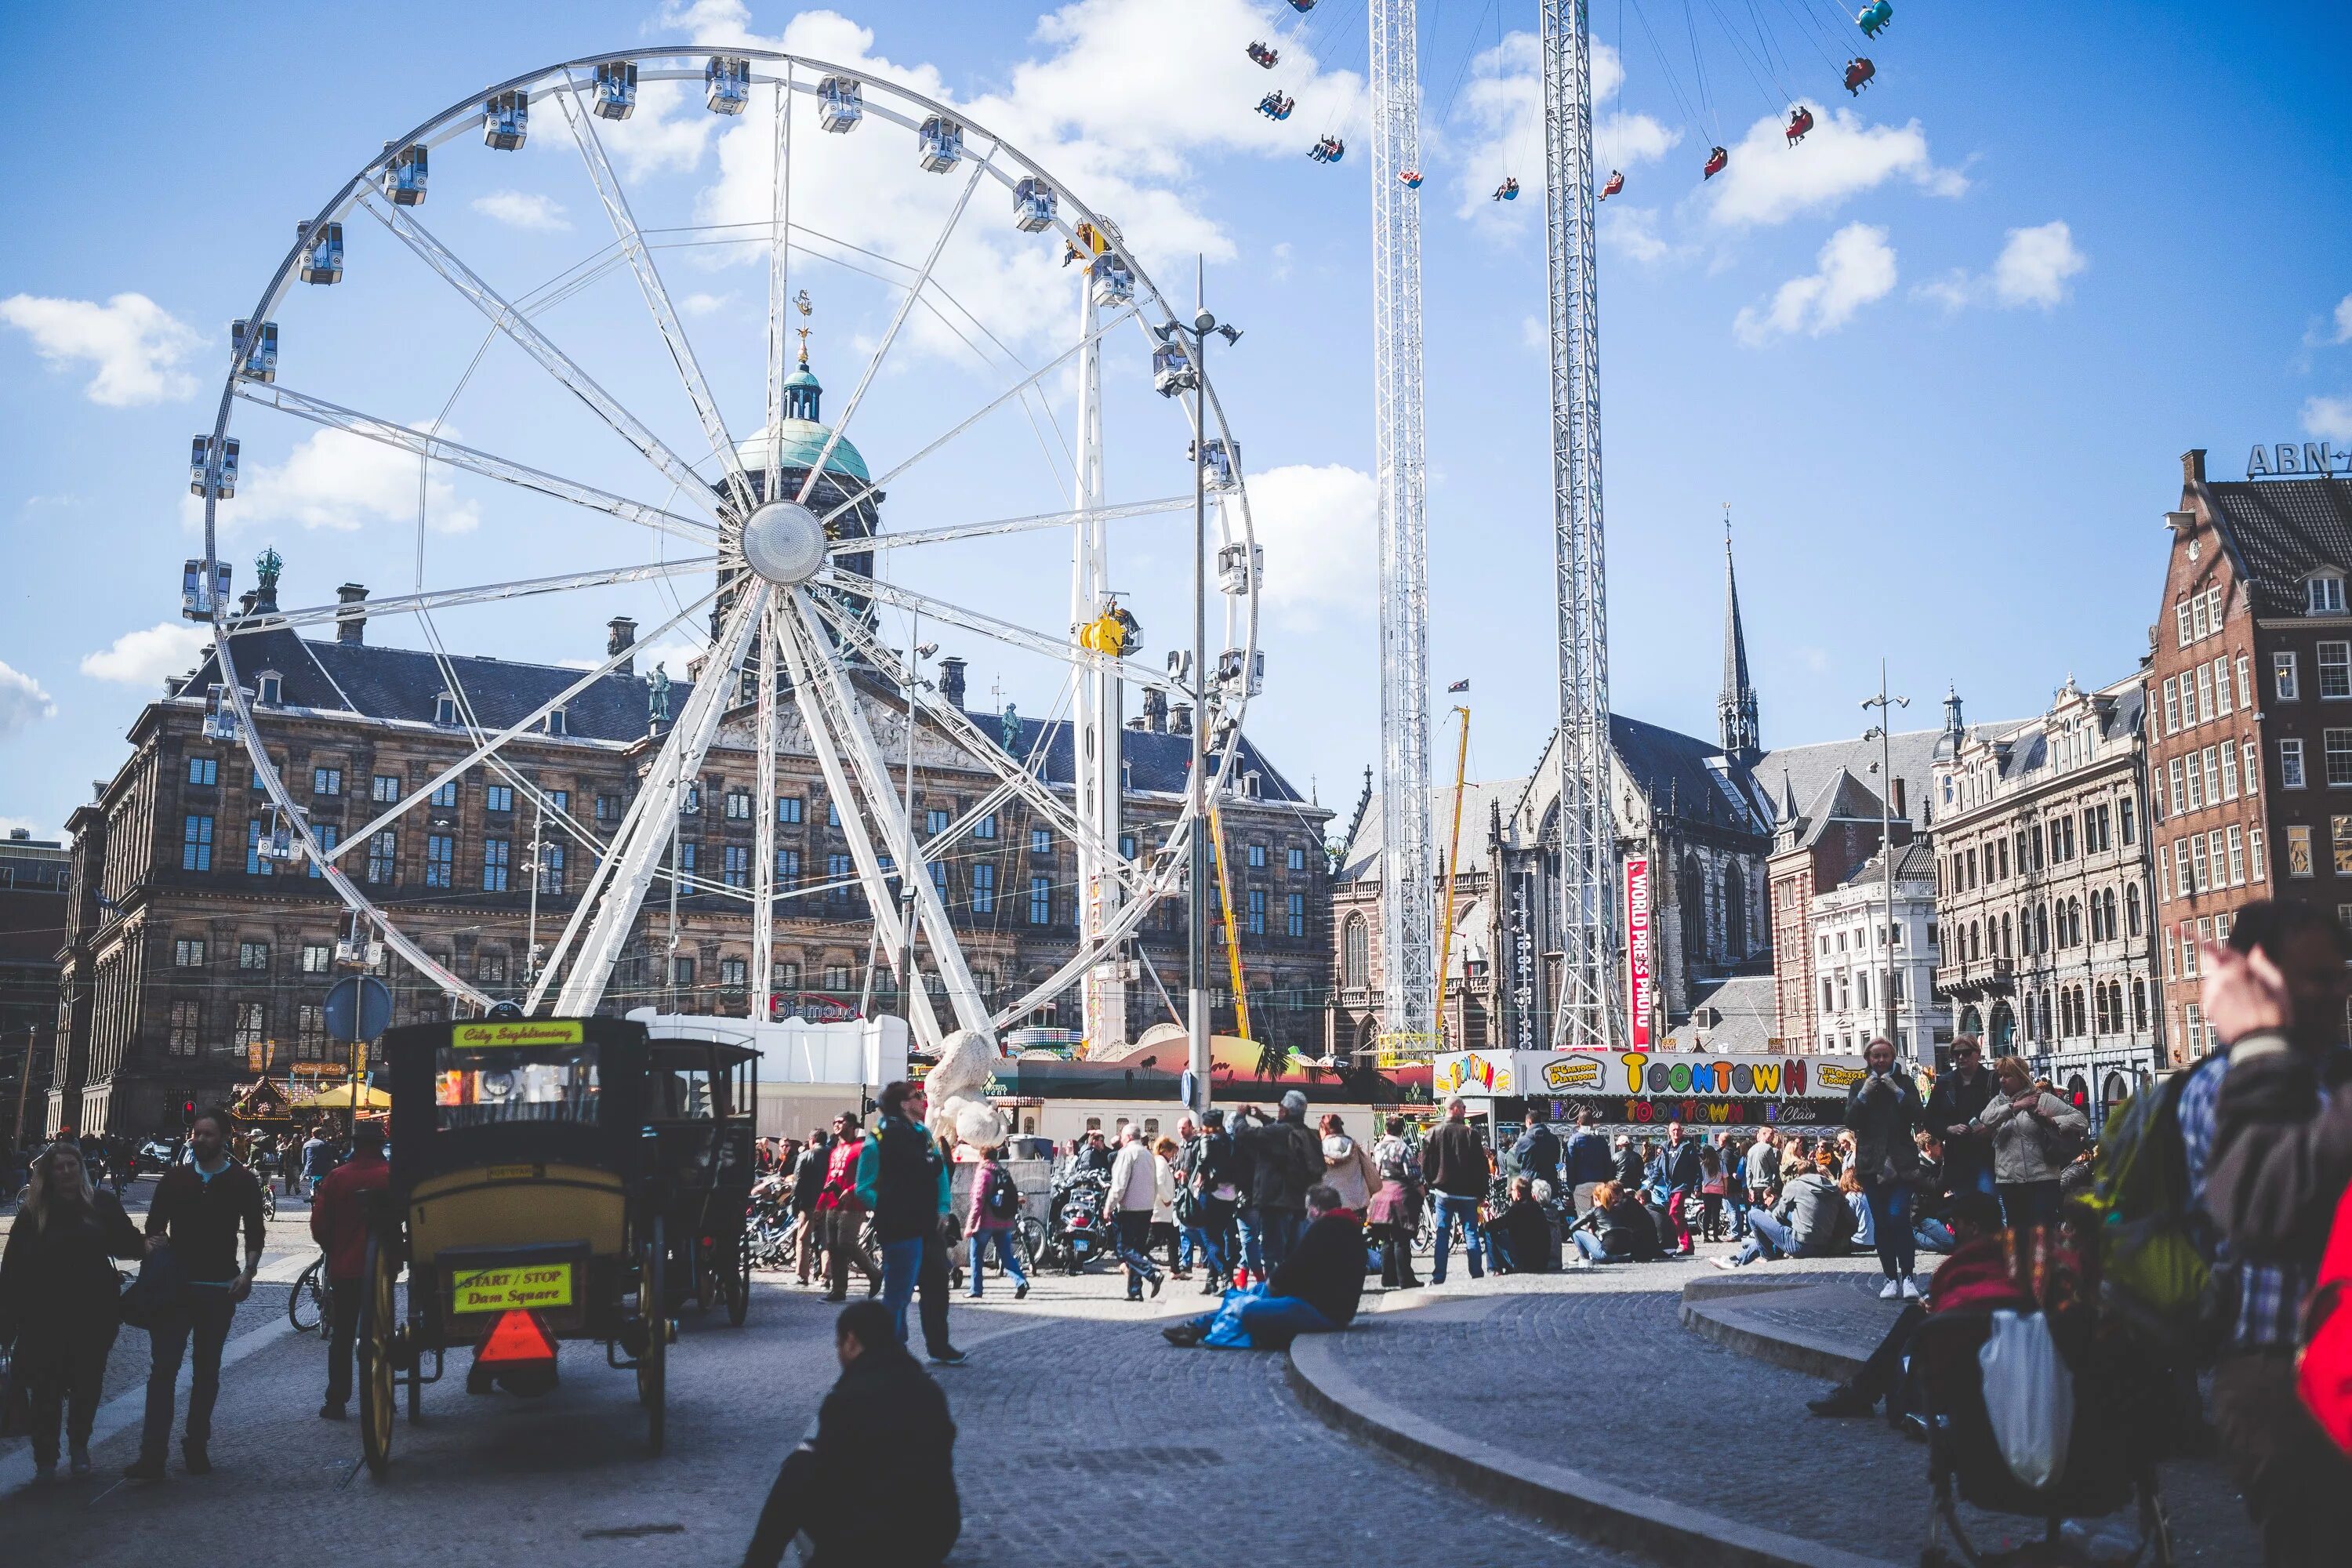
[
  {"x": 337, "y": 1221},
  {"x": 841, "y": 1176}
]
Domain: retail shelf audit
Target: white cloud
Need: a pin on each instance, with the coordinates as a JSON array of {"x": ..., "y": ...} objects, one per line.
[
  {"x": 1502, "y": 100},
  {"x": 1769, "y": 181},
  {"x": 1534, "y": 332},
  {"x": 146, "y": 658},
  {"x": 11, "y": 824},
  {"x": 517, "y": 209},
  {"x": 1319, "y": 527},
  {"x": 2342, "y": 320},
  {"x": 1119, "y": 101},
  {"x": 1856, "y": 267},
  {"x": 22, "y": 702},
  {"x": 705, "y": 304},
  {"x": 1633, "y": 233},
  {"x": 337, "y": 480},
  {"x": 2031, "y": 269},
  {"x": 2329, "y": 419},
  {"x": 136, "y": 345}
]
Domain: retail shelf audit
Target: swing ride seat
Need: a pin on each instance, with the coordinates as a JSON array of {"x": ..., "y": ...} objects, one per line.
[
  {"x": 1873, "y": 17},
  {"x": 1412, "y": 178},
  {"x": 1716, "y": 161},
  {"x": 1799, "y": 123},
  {"x": 1265, "y": 56},
  {"x": 1509, "y": 191},
  {"x": 1858, "y": 72},
  {"x": 1616, "y": 183}
]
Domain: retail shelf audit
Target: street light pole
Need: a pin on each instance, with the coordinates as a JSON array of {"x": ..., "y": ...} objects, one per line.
[
  {"x": 1885, "y": 704},
  {"x": 1196, "y": 340}
]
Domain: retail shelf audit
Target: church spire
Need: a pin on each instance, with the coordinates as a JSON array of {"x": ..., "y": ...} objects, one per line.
[{"x": 1735, "y": 705}]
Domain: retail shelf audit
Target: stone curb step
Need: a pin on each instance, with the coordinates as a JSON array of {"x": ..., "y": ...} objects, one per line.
[
  {"x": 1716, "y": 1317},
  {"x": 1664, "y": 1531}
]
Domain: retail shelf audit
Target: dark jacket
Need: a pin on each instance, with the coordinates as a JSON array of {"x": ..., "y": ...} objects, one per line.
[
  {"x": 1538, "y": 1152},
  {"x": 1883, "y": 1112},
  {"x": 2279, "y": 1164},
  {"x": 1286, "y": 1159},
  {"x": 1955, "y": 1104},
  {"x": 1625, "y": 1231},
  {"x": 1589, "y": 1159},
  {"x": 808, "y": 1177},
  {"x": 203, "y": 1219},
  {"x": 1453, "y": 1162},
  {"x": 1675, "y": 1165},
  {"x": 1326, "y": 1269},
  {"x": 1208, "y": 1163},
  {"x": 909, "y": 1174},
  {"x": 1528, "y": 1244},
  {"x": 58, "y": 1282},
  {"x": 1628, "y": 1168},
  {"x": 880, "y": 1486}
]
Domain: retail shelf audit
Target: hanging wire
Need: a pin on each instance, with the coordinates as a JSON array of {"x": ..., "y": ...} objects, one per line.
[
  {"x": 1713, "y": 126},
  {"x": 1759, "y": 67},
  {"x": 1665, "y": 66},
  {"x": 1462, "y": 72}
]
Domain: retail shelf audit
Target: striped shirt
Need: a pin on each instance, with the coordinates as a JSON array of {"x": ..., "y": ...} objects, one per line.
[{"x": 2269, "y": 1296}]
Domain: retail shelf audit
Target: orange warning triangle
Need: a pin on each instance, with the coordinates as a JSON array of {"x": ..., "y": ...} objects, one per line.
[{"x": 518, "y": 1336}]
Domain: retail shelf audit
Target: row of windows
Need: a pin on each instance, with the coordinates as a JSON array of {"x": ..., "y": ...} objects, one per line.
[
  {"x": 2207, "y": 775},
  {"x": 2228, "y": 857},
  {"x": 1837, "y": 1001},
  {"x": 2336, "y": 757},
  {"x": 2198, "y": 615},
  {"x": 2094, "y": 830},
  {"x": 2204, "y": 695},
  {"x": 2098, "y": 916},
  {"x": 248, "y": 1026},
  {"x": 313, "y": 958},
  {"x": 2334, "y": 662}
]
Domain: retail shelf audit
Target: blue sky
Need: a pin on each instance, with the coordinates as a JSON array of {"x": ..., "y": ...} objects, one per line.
[{"x": 1940, "y": 359}]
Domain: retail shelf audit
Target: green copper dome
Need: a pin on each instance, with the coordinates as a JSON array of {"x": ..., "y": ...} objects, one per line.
[{"x": 804, "y": 440}]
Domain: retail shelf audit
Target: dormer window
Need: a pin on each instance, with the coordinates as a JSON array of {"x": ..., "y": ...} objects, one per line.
[
  {"x": 444, "y": 709},
  {"x": 270, "y": 689},
  {"x": 2325, "y": 594},
  {"x": 555, "y": 722}
]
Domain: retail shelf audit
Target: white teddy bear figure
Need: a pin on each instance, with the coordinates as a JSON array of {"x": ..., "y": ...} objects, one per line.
[{"x": 957, "y": 1091}]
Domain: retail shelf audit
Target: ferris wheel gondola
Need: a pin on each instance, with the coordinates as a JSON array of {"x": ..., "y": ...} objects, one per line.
[{"x": 789, "y": 520}]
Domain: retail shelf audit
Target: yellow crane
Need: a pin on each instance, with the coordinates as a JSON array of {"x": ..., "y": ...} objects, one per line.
[
  {"x": 1453, "y": 854},
  {"x": 1232, "y": 936}
]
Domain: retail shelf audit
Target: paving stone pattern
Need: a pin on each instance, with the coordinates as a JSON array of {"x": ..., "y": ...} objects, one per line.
[{"x": 1641, "y": 1402}]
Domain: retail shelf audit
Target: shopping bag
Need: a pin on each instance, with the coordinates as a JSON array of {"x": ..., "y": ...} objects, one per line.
[{"x": 2029, "y": 1395}]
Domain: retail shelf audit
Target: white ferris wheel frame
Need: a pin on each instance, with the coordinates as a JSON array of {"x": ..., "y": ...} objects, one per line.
[{"x": 804, "y": 631}]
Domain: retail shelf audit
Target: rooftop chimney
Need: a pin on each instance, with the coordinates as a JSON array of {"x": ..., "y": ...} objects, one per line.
[
  {"x": 621, "y": 632},
  {"x": 351, "y": 621},
  {"x": 1179, "y": 719},
  {"x": 2192, "y": 466},
  {"x": 1895, "y": 799},
  {"x": 1155, "y": 710},
  {"x": 952, "y": 686}
]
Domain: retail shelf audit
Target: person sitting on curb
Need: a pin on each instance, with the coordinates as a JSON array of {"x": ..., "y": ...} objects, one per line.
[
  {"x": 1316, "y": 1290},
  {"x": 1813, "y": 1220},
  {"x": 1523, "y": 1233},
  {"x": 1619, "y": 1229},
  {"x": 875, "y": 1479},
  {"x": 1973, "y": 1275}
]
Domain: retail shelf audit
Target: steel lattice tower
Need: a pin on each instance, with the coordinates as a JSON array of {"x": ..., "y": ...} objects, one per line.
[
  {"x": 1589, "y": 1009},
  {"x": 1408, "y": 877}
]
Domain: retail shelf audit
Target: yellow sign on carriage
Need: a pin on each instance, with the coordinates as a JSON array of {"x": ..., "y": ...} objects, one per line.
[{"x": 512, "y": 1290}]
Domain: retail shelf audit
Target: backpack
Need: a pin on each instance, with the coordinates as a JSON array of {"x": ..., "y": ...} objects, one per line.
[
  {"x": 2156, "y": 1248},
  {"x": 1001, "y": 1199},
  {"x": 2323, "y": 1366}
]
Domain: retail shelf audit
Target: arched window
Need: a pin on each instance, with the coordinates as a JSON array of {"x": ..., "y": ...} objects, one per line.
[
  {"x": 2004, "y": 1027},
  {"x": 1356, "y": 954},
  {"x": 1735, "y": 913},
  {"x": 2139, "y": 1005},
  {"x": 2131, "y": 909},
  {"x": 1971, "y": 1022},
  {"x": 2047, "y": 1032},
  {"x": 1829, "y": 995},
  {"x": 2006, "y": 950},
  {"x": 1690, "y": 892}
]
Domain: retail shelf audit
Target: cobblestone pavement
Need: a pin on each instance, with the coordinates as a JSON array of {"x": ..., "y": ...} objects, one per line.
[
  {"x": 1083, "y": 1439},
  {"x": 1593, "y": 1371}
]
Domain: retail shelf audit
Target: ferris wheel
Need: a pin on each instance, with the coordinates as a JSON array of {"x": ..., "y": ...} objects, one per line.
[{"x": 714, "y": 482}]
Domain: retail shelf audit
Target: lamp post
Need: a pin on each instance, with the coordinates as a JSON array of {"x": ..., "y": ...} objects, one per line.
[
  {"x": 1879, "y": 732},
  {"x": 1195, "y": 339}
]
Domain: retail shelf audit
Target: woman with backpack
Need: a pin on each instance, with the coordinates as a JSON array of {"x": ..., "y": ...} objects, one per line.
[
  {"x": 2035, "y": 1135},
  {"x": 57, "y": 1300},
  {"x": 1394, "y": 1210},
  {"x": 996, "y": 1209}
]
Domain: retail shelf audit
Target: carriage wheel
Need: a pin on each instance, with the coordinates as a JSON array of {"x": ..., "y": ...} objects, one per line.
[
  {"x": 375, "y": 1354},
  {"x": 653, "y": 1305},
  {"x": 735, "y": 1282}
]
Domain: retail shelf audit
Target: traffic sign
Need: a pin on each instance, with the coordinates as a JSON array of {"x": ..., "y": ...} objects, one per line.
[{"x": 359, "y": 1007}]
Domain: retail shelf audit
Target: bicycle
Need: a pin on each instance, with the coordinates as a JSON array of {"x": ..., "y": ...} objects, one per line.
[{"x": 306, "y": 1307}]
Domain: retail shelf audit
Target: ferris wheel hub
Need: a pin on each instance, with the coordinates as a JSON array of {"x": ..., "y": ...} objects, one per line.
[{"x": 784, "y": 542}]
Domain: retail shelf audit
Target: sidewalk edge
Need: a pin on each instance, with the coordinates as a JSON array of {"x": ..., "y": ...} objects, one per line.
[
  {"x": 1813, "y": 1361},
  {"x": 1660, "y": 1529}
]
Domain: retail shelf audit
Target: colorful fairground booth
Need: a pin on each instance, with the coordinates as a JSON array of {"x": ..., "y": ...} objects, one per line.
[{"x": 1641, "y": 1091}]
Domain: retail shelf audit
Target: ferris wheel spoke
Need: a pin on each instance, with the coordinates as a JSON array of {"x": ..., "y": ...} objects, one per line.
[
  {"x": 473, "y": 460},
  {"x": 814, "y": 694},
  {"x": 1017, "y": 390},
  {"x": 897, "y": 320},
  {"x": 486, "y": 747},
  {"x": 443, "y": 598},
  {"x": 763, "y": 847},
  {"x": 833, "y": 691},
  {"x": 1013, "y": 779},
  {"x": 641, "y": 262},
  {"x": 527, "y": 336},
  {"x": 628, "y": 870},
  {"x": 990, "y": 626},
  {"x": 1035, "y": 520},
  {"x": 780, "y": 232}
]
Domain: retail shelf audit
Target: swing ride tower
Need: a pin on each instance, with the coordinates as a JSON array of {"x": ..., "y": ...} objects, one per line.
[
  {"x": 1588, "y": 1010},
  {"x": 1408, "y": 878}
]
